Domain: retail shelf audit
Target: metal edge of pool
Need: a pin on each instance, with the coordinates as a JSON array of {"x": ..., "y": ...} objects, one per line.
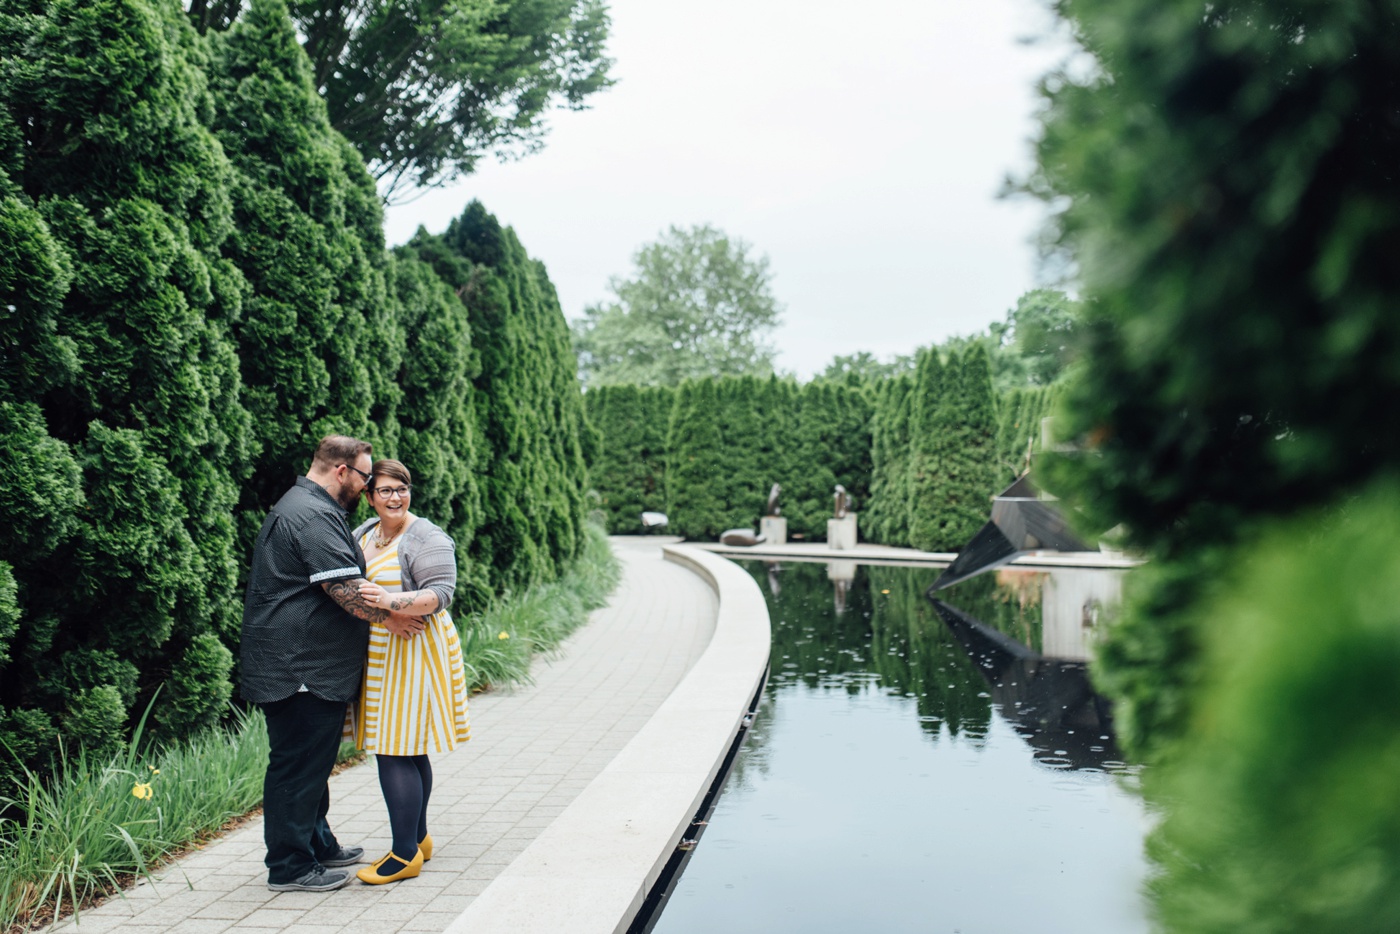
[{"x": 593, "y": 867}]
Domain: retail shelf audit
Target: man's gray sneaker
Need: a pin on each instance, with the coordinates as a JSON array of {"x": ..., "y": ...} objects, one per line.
[
  {"x": 319, "y": 879},
  {"x": 345, "y": 856}
]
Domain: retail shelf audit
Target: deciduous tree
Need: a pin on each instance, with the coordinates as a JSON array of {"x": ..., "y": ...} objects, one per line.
[
  {"x": 426, "y": 88},
  {"x": 697, "y": 304}
]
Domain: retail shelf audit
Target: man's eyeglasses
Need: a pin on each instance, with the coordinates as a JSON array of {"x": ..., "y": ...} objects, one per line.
[
  {"x": 367, "y": 476},
  {"x": 384, "y": 492}
]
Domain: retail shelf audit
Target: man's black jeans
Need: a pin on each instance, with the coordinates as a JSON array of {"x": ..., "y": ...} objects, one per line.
[{"x": 303, "y": 733}]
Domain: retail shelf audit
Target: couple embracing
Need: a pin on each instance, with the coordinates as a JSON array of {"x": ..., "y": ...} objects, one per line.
[{"x": 349, "y": 630}]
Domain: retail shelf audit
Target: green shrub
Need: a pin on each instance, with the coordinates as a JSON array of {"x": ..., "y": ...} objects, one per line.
[
  {"x": 198, "y": 690},
  {"x": 1223, "y": 186},
  {"x": 1281, "y": 814},
  {"x": 96, "y": 721}
]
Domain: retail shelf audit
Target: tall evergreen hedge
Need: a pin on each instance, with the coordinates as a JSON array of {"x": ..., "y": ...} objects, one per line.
[
  {"x": 318, "y": 341},
  {"x": 696, "y": 498},
  {"x": 629, "y": 473},
  {"x": 108, "y": 144},
  {"x": 194, "y": 288},
  {"x": 528, "y": 406},
  {"x": 1019, "y": 416}
]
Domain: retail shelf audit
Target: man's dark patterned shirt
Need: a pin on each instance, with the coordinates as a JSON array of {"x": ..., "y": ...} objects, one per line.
[{"x": 293, "y": 633}]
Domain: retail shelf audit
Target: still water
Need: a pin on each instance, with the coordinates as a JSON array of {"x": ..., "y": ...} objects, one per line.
[{"x": 923, "y": 768}]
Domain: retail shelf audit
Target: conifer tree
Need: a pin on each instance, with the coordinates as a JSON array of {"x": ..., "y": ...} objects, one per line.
[
  {"x": 873, "y": 516},
  {"x": 437, "y": 416},
  {"x": 970, "y": 461},
  {"x": 528, "y": 406},
  {"x": 811, "y": 478},
  {"x": 319, "y": 348},
  {"x": 109, "y": 106},
  {"x": 630, "y": 470},
  {"x": 616, "y": 414},
  {"x": 930, "y": 424},
  {"x": 741, "y": 430},
  {"x": 850, "y": 441},
  {"x": 658, "y": 403},
  {"x": 695, "y": 463}
]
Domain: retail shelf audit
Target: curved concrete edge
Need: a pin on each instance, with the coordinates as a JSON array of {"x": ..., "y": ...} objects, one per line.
[{"x": 591, "y": 869}]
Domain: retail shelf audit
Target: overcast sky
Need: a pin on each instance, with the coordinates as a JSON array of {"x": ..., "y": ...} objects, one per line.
[{"x": 859, "y": 146}]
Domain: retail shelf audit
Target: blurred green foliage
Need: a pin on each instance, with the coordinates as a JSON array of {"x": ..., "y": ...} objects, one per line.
[
  {"x": 1281, "y": 809},
  {"x": 1224, "y": 186}
]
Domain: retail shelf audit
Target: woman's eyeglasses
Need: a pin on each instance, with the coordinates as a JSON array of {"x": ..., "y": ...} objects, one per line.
[{"x": 384, "y": 492}]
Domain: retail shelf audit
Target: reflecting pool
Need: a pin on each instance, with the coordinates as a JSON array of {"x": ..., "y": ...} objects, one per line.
[{"x": 922, "y": 766}]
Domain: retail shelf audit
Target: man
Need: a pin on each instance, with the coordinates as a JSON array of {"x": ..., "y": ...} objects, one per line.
[{"x": 305, "y": 636}]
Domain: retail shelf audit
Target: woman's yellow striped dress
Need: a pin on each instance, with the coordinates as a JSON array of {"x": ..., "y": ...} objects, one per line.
[{"x": 414, "y": 696}]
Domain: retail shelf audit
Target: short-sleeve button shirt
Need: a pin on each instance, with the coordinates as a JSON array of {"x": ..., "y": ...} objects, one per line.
[{"x": 293, "y": 633}]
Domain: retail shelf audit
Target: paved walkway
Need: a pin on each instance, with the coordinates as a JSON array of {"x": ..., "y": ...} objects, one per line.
[{"x": 533, "y": 751}]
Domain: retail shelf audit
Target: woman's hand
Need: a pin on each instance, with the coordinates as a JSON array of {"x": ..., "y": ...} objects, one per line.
[{"x": 373, "y": 594}]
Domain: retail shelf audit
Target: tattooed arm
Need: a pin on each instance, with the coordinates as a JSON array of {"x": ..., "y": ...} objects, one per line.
[
  {"x": 415, "y": 602},
  {"x": 347, "y": 594}
]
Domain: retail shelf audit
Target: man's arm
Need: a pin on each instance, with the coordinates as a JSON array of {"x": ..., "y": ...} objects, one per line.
[{"x": 346, "y": 592}]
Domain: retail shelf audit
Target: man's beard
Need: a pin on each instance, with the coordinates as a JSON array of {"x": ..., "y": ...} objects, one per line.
[{"x": 347, "y": 499}]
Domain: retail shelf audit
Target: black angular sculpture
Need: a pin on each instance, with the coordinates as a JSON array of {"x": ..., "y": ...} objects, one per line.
[{"x": 1021, "y": 521}]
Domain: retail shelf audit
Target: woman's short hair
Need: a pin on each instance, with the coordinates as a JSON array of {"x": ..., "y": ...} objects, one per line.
[{"x": 388, "y": 467}]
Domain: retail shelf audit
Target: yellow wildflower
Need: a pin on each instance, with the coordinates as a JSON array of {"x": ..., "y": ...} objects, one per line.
[
  {"x": 503, "y": 635},
  {"x": 141, "y": 790},
  {"x": 884, "y": 591}
]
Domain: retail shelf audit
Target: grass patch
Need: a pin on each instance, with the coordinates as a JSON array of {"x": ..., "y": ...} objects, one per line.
[{"x": 89, "y": 828}]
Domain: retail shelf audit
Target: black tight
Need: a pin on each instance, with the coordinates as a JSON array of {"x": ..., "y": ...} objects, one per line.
[{"x": 407, "y": 781}]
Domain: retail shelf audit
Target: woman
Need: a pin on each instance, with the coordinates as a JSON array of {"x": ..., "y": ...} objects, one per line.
[{"x": 414, "y": 695}]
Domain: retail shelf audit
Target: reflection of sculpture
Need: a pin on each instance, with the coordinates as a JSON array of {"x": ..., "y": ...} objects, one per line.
[
  {"x": 773, "y": 508},
  {"x": 843, "y": 502},
  {"x": 841, "y": 574},
  {"x": 1049, "y": 703}
]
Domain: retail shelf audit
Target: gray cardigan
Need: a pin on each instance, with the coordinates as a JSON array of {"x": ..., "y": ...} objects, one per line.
[{"x": 427, "y": 556}]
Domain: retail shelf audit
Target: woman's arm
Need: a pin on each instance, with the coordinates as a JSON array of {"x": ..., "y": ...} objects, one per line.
[
  {"x": 411, "y": 603},
  {"x": 432, "y": 566}
]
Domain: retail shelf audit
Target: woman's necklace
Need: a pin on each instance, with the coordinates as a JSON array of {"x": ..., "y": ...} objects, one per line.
[{"x": 380, "y": 540}]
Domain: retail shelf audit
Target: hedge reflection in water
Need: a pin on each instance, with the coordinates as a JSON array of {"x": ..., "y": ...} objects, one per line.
[{"x": 989, "y": 815}]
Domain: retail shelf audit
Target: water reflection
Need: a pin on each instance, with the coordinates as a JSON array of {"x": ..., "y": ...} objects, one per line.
[
  {"x": 1048, "y": 703},
  {"x": 923, "y": 766}
]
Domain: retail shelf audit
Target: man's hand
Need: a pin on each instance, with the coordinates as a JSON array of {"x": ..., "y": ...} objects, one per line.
[
  {"x": 347, "y": 594},
  {"x": 405, "y": 627}
]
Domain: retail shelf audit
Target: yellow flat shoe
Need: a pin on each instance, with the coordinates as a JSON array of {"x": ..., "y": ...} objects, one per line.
[
  {"x": 427, "y": 847},
  {"x": 370, "y": 874}
]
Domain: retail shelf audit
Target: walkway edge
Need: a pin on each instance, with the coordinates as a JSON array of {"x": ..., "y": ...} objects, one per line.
[{"x": 591, "y": 869}]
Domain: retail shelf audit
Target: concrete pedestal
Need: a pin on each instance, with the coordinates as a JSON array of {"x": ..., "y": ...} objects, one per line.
[
  {"x": 841, "y": 533},
  {"x": 773, "y": 529}
]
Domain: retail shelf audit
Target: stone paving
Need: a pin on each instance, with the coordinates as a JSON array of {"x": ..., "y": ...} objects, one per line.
[{"x": 533, "y": 750}]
